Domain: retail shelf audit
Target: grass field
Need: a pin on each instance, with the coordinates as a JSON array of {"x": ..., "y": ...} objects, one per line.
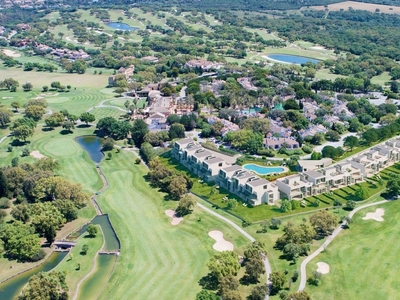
[
  {"x": 360, "y": 6},
  {"x": 85, "y": 261},
  {"x": 156, "y": 258},
  {"x": 363, "y": 259}
]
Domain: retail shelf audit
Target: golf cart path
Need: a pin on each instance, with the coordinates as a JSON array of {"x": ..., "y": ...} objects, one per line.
[
  {"x": 303, "y": 273},
  {"x": 247, "y": 235}
]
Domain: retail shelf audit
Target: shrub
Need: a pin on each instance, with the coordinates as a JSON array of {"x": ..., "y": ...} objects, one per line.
[
  {"x": 297, "y": 152},
  {"x": 109, "y": 155},
  {"x": 108, "y": 144},
  {"x": 137, "y": 161},
  {"x": 25, "y": 152},
  {"x": 9, "y": 149},
  {"x": 85, "y": 249},
  {"x": 92, "y": 230},
  {"x": 306, "y": 149},
  {"x": 39, "y": 256},
  {"x": 295, "y": 204}
]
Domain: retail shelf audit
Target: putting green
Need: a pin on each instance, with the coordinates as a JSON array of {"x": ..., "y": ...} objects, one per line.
[{"x": 62, "y": 147}]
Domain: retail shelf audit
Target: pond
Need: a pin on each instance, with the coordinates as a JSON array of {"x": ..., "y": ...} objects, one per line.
[
  {"x": 121, "y": 26},
  {"x": 12, "y": 287},
  {"x": 92, "y": 145},
  {"x": 263, "y": 170},
  {"x": 291, "y": 59}
]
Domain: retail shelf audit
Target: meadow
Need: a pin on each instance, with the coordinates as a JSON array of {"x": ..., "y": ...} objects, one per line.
[
  {"x": 360, "y": 6},
  {"x": 362, "y": 259}
]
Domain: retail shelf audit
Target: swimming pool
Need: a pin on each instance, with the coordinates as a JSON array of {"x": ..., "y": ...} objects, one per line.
[{"x": 263, "y": 170}]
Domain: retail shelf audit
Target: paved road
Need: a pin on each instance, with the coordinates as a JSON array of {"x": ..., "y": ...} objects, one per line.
[
  {"x": 248, "y": 236},
  {"x": 303, "y": 273}
]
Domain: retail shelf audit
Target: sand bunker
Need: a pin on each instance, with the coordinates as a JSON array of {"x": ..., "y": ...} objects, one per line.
[
  {"x": 37, "y": 154},
  {"x": 175, "y": 220},
  {"x": 317, "y": 48},
  {"x": 11, "y": 53},
  {"x": 323, "y": 268},
  {"x": 220, "y": 243},
  {"x": 377, "y": 215}
]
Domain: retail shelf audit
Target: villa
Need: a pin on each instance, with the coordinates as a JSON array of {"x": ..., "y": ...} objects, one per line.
[{"x": 278, "y": 143}]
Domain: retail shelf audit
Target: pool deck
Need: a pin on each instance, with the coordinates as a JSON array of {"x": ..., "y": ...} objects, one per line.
[{"x": 285, "y": 169}]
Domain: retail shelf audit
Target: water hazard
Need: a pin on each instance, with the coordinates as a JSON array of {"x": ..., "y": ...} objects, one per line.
[{"x": 92, "y": 145}]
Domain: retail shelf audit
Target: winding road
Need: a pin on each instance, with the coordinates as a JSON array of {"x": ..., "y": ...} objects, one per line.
[{"x": 303, "y": 273}]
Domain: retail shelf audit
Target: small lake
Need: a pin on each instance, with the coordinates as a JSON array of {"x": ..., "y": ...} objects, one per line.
[
  {"x": 121, "y": 26},
  {"x": 291, "y": 59},
  {"x": 263, "y": 170},
  {"x": 92, "y": 145}
]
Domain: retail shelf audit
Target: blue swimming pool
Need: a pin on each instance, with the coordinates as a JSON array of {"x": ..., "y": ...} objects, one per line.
[
  {"x": 263, "y": 170},
  {"x": 292, "y": 59}
]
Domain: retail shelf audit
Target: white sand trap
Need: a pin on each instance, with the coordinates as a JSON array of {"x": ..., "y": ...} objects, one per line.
[
  {"x": 220, "y": 243},
  {"x": 37, "y": 154},
  {"x": 6, "y": 98},
  {"x": 318, "y": 48},
  {"x": 175, "y": 220},
  {"x": 377, "y": 215},
  {"x": 37, "y": 98},
  {"x": 11, "y": 53},
  {"x": 323, "y": 268}
]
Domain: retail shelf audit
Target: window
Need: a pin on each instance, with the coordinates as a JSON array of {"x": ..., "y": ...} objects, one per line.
[
  {"x": 265, "y": 187},
  {"x": 220, "y": 164}
]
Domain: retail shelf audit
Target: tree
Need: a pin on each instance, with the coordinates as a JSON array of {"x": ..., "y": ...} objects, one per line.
[
  {"x": 46, "y": 285},
  {"x": 350, "y": 205},
  {"x": 223, "y": 264},
  {"x": 370, "y": 136},
  {"x": 350, "y": 142},
  {"x": 254, "y": 268},
  {"x": 139, "y": 130},
  {"x": 10, "y": 82},
  {"x": 5, "y": 116},
  {"x": 20, "y": 241},
  {"x": 22, "y": 132},
  {"x": 277, "y": 281},
  {"x": 171, "y": 119},
  {"x": 286, "y": 205},
  {"x": 46, "y": 219},
  {"x": 67, "y": 209},
  {"x": 362, "y": 193},
  {"x": 332, "y": 135},
  {"x": 147, "y": 152},
  {"x": 227, "y": 284},
  {"x": 323, "y": 222},
  {"x": 27, "y": 87},
  {"x": 68, "y": 126},
  {"x": 108, "y": 144},
  {"x": 393, "y": 184},
  {"x": 176, "y": 131},
  {"x": 25, "y": 152},
  {"x": 92, "y": 230},
  {"x": 186, "y": 205},
  {"x": 35, "y": 112},
  {"x": 258, "y": 292},
  {"x": 87, "y": 117},
  {"x": 316, "y": 156},
  {"x": 256, "y": 125},
  {"x": 300, "y": 295},
  {"x": 54, "y": 120},
  {"x": 21, "y": 213},
  {"x": 177, "y": 187},
  {"x": 331, "y": 152},
  {"x": 275, "y": 223},
  {"x": 16, "y": 105}
]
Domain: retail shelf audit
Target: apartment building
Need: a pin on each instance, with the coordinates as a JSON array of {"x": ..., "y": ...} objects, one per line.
[
  {"x": 311, "y": 181},
  {"x": 208, "y": 166}
]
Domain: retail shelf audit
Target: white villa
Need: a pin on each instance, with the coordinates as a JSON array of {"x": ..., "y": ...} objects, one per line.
[{"x": 316, "y": 178}]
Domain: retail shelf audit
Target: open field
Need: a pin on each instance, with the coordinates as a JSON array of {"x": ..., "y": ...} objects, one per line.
[
  {"x": 85, "y": 261},
  {"x": 360, "y": 6},
  {"x": 362, "y": 257},
  {"x": 156, "y": 257}
]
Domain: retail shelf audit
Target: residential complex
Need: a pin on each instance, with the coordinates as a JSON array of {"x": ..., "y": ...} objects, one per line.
[{"x": 316, "y": 177}]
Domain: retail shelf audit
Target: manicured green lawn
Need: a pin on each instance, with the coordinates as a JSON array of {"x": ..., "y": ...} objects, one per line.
[
  {"x": 72, "y": 262},
  {"x": 156, "y": 257},
  {"x": 363, "y": 260}
]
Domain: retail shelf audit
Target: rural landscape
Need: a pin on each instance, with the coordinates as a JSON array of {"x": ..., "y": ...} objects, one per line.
[{"x": 199, "y": 150}]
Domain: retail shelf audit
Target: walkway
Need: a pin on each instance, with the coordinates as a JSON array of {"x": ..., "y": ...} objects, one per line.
[
  {"x": 247, "y": 235},
  {"x": 303, "y": 273}
]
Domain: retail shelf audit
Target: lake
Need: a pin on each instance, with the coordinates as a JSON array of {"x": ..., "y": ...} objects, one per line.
[
  {"x": 121, "y": 26},
  {"x": 263, "y": 170},
  {"x": 92, "y": 145},
  {"x": 291, "y": 59}
]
